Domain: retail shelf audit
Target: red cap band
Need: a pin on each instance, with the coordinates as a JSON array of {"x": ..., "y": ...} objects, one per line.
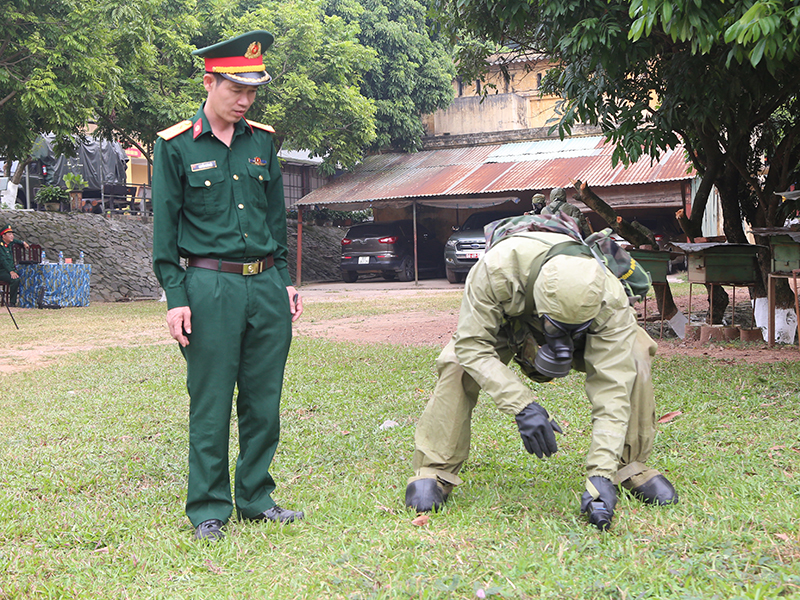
[{"x": 234, "y": 64}]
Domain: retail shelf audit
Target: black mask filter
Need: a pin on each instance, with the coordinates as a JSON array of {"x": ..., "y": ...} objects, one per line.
[{"x": 554, "y": 358}]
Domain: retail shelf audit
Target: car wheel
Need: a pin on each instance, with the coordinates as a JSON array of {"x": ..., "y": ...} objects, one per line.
[
  {"x": 349, "y": 276},
  {"x": 389, "y": 275},
  {"x": 407, "y": 269},
  {"x": 452, "y": 276}
]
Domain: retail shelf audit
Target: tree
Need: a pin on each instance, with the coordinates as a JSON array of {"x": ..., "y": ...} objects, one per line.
[
  {"x": 413, "y": 73},
  {"x": 313, "y": 102},
  {"x": 151, "y": 40},
  {"x": 55, "y": 70},
  {"x": 655, "y": 73}
]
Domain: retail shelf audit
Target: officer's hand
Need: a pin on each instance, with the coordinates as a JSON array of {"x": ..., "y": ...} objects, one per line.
[
  {"x": 14, "y": 275},
  {"x": 179, "y": 320},
  {"x": 598, "y": 501},
  {"x": 537, "y": 430},
  {"x": 295, "y": 303}
]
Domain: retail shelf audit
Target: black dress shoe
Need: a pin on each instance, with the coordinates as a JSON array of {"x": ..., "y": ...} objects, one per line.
[
  {"x": 276, "y": 514},
  {"x": 210, "y": 530}
]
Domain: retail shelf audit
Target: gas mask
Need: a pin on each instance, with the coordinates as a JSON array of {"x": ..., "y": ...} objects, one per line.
[{"x": 554, "y": 358}]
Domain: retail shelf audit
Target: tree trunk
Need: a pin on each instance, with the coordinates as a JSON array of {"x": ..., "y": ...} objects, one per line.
[{"x": 636, "y": 234}]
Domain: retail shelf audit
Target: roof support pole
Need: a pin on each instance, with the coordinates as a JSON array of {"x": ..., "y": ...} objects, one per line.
[
  {"x": 416, "y": 261},
  {"x": 299, "y": 271}
]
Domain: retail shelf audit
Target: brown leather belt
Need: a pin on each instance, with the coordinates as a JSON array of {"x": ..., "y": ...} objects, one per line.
[{"x": 248, "y": 268}]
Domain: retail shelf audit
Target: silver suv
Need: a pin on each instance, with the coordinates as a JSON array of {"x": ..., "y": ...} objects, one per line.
[{"x": 467, "y": 244}]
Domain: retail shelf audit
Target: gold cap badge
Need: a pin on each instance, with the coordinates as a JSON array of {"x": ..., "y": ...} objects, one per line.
[{"x": 254, "y": 51}]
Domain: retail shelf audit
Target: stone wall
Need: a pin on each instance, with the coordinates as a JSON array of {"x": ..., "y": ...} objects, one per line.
[{"x": 120, "y": 249}]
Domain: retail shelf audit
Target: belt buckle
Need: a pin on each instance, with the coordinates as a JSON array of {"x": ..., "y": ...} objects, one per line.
[{"x": 252, "y": 268}]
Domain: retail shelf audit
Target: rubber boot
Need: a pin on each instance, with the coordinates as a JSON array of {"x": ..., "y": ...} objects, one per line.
[
  {"x": 425, "y": 495},
  {"x": 655, "y": 489}
]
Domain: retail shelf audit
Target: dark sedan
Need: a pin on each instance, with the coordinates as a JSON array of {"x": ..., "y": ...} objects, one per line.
[{"x": 388, "y": 249}]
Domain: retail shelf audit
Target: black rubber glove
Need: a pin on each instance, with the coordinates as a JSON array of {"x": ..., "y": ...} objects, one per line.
[
  {"x": 537, "y": 430},
  {"x": 599, "y": 508}
]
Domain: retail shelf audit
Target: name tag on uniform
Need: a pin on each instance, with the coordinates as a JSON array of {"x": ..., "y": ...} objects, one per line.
[{"x": 209, "y": 164}]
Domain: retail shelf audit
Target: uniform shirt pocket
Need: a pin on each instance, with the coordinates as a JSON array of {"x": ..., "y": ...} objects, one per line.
[
  {"x": 206, "y": 193},
  {"x": 259, "y": 178}
]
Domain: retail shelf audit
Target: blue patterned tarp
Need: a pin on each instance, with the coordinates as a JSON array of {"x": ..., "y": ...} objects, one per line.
[{"x": 65, "y": 285}]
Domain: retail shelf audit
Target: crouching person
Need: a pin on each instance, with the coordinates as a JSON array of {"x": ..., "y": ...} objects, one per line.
[{"x": 550, "y": 309}]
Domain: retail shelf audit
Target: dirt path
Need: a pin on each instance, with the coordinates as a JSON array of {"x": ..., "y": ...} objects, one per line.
[
  {"x": 409, "y": 328},
  {"x": 425, "y": 328}
]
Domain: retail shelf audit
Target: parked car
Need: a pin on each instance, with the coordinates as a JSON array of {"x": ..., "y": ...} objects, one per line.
[
  {"x": 467, "y": 244},
  {"x": 388, "y": 249}
]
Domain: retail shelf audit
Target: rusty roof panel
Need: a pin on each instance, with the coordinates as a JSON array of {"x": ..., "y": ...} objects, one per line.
[
  {"x": 481, "y": 179},
  {"x": 539, "y": 165}
]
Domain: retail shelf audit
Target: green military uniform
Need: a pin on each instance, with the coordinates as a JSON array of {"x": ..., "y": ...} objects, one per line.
[
  {"x": 7, "y": 265},
  {"x": 225, "y": 203},
  {"x": 495, "y": 326}
]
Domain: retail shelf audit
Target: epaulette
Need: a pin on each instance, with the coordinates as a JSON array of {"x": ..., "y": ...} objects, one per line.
[
  {"x": 177, "y": 129},
  {"x": 260, "y": 126}
]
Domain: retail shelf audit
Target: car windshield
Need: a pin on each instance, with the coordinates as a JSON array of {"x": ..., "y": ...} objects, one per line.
[{"x": 481, "y": 219}]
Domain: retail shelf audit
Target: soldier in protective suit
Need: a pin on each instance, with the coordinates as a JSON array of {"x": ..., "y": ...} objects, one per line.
[
  {"x": 550, "y": 314},
  {"x": 558, "y": 203}
]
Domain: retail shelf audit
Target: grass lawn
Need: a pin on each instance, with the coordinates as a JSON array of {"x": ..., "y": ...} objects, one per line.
[{"x": 93, "y": 476}]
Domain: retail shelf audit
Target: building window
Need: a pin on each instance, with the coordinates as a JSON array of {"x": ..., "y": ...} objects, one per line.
[
  {"x": 460, "y": 87},
  {"x": 538, "y": 80},
  {"x": 478, "y": 86},
  {"x": 299, "y": 180}
]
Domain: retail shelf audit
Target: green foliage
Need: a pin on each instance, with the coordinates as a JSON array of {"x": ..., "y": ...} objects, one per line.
[
  {"x": 413, "y": 71},
  {"x": 55, "y": 70},
  {"x": 717, "y": 77},
  {"x": 314, "y": 101},
  {"x": 74, "y": 182},
  {"x": 151, "y": 40},
  {"x": 51, "y": 193},
  {"x": 337, "y": 217}
]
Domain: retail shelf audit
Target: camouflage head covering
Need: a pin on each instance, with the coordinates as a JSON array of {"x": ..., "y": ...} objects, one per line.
[
  {"x": 558, "y": 194},
  {"x": 570, "y": 289}
]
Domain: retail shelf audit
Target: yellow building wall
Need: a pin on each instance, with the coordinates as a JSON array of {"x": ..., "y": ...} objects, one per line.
[{"x": 509, "y": 105}]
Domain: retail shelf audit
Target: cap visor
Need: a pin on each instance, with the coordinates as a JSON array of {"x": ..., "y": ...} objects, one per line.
[{"x": 257, "y": 78}]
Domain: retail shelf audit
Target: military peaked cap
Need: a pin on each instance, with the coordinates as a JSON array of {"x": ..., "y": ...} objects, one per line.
[{"x": 240, "y": 58}]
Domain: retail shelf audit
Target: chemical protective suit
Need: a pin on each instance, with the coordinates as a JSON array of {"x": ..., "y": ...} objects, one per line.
[{"x": 509, "y": 297}]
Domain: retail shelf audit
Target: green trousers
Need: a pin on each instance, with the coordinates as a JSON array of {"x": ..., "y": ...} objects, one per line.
[
  {"x": 241, "y": 331},
  {"x": 442, "y": 436},
  {"x": 13, "y": 287}
]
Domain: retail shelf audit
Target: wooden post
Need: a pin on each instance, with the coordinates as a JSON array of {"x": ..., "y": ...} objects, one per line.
[
  {"x": 299, "y": 272},
  {"x": 414, "y": 211}
]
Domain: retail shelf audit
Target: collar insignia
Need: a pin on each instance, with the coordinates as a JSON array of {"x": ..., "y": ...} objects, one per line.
[{"x": 198, "y": 128}]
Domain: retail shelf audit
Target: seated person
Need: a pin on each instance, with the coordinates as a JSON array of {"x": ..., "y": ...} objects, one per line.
[
  {"x": 92, "y": 206},
  {"x": 7, "y": 264}
]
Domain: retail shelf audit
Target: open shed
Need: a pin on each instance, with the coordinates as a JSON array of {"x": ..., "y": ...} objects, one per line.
[{"x": 452, "y": 180}]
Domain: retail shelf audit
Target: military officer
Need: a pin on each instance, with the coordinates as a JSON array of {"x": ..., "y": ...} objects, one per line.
[
  {"x": 218, "y": 203},
  {"x": 8, "y": 264},
  {"x": 550, "y": 313}
]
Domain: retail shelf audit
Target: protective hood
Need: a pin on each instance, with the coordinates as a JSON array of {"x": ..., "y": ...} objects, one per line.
[{"x": 570, "y": 289}]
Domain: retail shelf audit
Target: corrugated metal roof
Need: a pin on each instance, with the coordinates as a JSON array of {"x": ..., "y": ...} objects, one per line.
[{"x": 453, "y": 172}]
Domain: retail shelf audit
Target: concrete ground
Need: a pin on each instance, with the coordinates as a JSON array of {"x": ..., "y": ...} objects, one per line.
[{"x": 377, "y": 285}]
